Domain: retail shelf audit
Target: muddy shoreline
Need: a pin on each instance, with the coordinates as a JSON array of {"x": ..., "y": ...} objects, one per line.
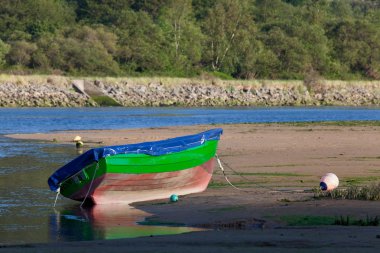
[{"x": 280, "y": 164}]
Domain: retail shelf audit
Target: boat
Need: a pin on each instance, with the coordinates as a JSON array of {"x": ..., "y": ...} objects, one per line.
[{"x": 140, "y": 172}]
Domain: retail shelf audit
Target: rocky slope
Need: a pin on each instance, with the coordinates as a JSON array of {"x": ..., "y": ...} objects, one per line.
[{"x": 45, "y": 92}]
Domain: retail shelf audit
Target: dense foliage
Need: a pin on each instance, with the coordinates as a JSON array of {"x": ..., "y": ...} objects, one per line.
[{"x": 266, "y": 39}]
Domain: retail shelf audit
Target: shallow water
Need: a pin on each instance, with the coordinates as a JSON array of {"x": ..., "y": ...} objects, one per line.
[
  {"x": 26, "y": 204},
  {"x": 26, "y": 212}
]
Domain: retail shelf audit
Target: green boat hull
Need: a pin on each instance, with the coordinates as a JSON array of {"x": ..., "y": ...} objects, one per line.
[{"x": 127, "y": 178}]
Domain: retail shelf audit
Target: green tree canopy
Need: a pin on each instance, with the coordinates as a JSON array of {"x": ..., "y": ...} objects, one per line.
[{"x": 240, "y": 38}]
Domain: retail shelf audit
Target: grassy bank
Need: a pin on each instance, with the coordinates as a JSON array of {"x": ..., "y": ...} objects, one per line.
[{"x": 172, "y": 81}]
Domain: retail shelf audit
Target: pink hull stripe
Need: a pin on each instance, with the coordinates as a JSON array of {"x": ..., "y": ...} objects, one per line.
[{"x": 128, "y": 188}]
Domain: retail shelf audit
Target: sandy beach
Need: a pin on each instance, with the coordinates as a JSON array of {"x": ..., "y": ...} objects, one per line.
[{"x": 277, "y": 167}]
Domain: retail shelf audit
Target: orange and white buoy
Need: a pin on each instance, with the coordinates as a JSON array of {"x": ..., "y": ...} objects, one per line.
[{"x": 329, "y": 182}]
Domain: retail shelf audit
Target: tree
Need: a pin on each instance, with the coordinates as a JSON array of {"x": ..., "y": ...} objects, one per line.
[
  {"x": 357, "y": 45},
  {"x": 242, "y": 38},
  {"x": 46, "y": 16},
  {"x": 151, "y": 7},
  {"x": 182, "y": 35},
  {"x": 298, "y": 43},
  {"x": 4, "y": 49},
  {"x": 35, "y": 17},
  {"x": 141, "y": 45},
  {"x": 201, "y": 8},
  {"x": 341, "y": 9},
  {"x": 289, "y": 51},
  {"x": 106, "y": 12},
  {"x": 11, "y": 18},
  {"x": 267, "y": 12},
  {"x": 228, "y": 25}
]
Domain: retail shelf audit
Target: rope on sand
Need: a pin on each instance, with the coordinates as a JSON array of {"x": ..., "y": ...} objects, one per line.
[
  {"x": 224, "y": 174},
  {"x": 248, "y": 180}
]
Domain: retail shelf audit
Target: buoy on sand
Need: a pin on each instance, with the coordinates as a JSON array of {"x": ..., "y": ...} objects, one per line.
[
  {"x": 329, "y": 182},
  {"x": 174, "y": 198},
  {"x": 78, "y": 141},
  {"x": 79, "y": 144}
]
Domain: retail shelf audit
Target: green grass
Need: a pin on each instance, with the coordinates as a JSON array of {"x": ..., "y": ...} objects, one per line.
[
  {"x": 105, "y": 101},
  {"x": 308, "y": 220},
  {"x": 273, "y": 165},
  {"x": 272, "y": 174},
  {"x": 352, "y": 181},
  {"x": 222, "y": 75},
  {"x": 364, "y": 158},
  {"x": 213, "y": 184}
]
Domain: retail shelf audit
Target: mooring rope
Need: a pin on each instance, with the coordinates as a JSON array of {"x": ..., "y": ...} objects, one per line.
[
  {"x": 247, "y": 179},
  {"x": 56, "y": 197},
  {"x": 224, "y": 174},
  {"x": 89, "y": 188}
]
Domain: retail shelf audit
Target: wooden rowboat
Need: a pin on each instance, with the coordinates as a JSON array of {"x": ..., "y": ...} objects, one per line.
[{"x": 139, "y": 172}]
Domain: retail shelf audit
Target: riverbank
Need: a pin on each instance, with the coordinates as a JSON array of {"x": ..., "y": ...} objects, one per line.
[
  {"x": 59, "y": 91},
  {"x": 280, "y": 164}
]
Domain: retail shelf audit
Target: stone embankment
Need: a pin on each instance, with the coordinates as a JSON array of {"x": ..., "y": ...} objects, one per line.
[
  {"x": 40, "y": 95},
  {"x": 188, "y": 92}
]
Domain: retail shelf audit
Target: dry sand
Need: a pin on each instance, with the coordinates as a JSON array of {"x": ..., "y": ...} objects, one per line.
[{"x": 279, "y": 164}]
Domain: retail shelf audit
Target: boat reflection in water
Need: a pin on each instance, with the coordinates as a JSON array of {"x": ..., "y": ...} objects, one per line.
[{"x": 108, "y": 222}]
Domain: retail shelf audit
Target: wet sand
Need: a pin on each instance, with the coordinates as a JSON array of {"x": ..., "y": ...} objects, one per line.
[{"x": 278, "y": 165}]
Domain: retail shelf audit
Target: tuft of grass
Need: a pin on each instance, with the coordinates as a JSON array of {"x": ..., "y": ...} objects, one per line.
[
  {"x": 308, "y": 220},
  {"x": 348, "y": 221},
  {"x": 367, "y": 192}
]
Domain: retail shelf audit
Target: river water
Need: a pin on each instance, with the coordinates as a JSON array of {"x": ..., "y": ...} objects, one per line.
[
  {"x": 32, "y": 120},
  {"x": 26, "y": 212}
]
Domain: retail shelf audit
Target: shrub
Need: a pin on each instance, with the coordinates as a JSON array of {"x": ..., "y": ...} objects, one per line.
[
  {"x": 4, "y": 49},
  {"x": 21, "y": 53}
]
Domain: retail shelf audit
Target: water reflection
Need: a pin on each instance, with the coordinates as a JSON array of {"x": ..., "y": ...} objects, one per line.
[{"x": 106, "y": 222}]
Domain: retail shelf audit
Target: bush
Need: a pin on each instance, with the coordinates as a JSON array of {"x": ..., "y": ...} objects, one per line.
[
  {"x": 21, "y": 53},
  {"x": 79, "y": 51},
  {"x": 4, "y": 49}
]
